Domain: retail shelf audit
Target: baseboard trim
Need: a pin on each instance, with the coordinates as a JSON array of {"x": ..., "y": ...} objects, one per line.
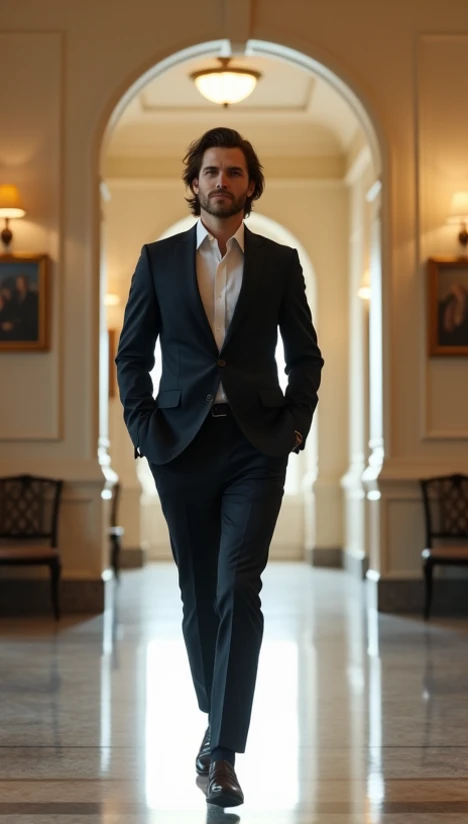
[
  {"x": 31, "y": 596},
  {"x": 132, "y": 558},
  {"x": 356, "y": 565},
  {"x": 325, "y": 558},
  {"x": 450, "y": 596}
]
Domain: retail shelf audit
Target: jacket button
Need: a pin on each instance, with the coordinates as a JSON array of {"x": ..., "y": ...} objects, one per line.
[
  {"x": 209, "y": 398},
  {"x": 221, "y": 363}
]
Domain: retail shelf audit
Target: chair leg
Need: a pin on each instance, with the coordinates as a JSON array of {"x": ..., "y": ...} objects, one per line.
[
  {"x": 55, "y": 571},
  {"x": 115, "y": 555},
  {"x": 428, "y": 569}
]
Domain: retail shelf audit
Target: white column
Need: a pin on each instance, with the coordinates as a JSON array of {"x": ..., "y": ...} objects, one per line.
[
  {"x": 120, "y": 461},
  {"x": 354, "y": 556},
  {"x": 376, "y": 386}
]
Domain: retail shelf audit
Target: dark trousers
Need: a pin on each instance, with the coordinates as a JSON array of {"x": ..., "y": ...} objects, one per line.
[{"x": 221, "y": 498}]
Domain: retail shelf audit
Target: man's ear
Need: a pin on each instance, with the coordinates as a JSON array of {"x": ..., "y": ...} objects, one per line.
[
  {"x": 195, "y": 187},
  {"x": 251, "y": 188}
]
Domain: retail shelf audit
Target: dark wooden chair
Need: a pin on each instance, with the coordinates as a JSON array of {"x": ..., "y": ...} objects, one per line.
[
  {"x": 29, "y": 513},
  {"x": 445, "y": 500},
  {"x": 116, "y": 532}
]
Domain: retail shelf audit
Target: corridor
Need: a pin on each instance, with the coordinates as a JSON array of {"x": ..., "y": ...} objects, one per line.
[{"x": 358, "y": 718}]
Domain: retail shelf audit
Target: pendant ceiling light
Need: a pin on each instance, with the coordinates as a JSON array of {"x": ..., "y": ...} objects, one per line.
[{"x": 226, "y": 84}]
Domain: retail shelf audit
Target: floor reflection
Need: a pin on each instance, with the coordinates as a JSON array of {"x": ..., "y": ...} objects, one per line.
[
  {"x": 172, "y": 717},
  {"x": 273, "y": 745},
  {"x": 216, "y": 816},
  {"x": 109, "y": 662},
  {"x": 375, "y": 780},
  {"x": 31, "y": 689},
  {"x": 358, "y": 718}
]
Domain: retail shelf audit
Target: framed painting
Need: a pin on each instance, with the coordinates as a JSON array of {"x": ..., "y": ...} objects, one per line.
[
  {"x": 24, "y": 303},
  {"x": 448, "y": 306}
]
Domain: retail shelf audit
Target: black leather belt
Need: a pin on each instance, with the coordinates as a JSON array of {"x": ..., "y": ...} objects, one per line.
[{"x": 220, "y": 410}]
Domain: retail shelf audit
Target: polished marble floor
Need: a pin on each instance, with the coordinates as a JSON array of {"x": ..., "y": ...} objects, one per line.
[{"x": 358, "y": 718}]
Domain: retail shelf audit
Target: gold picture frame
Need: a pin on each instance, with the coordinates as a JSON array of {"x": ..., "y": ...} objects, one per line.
[
  {"x": 447, "y": 306},
  {"x": 24, "y": 303}
]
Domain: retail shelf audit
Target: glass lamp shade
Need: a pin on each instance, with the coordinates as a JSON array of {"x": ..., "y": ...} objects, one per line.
[
  {"x": 458, "y": 208},
  {"x": 226, "y": 85},
  {"x": 10, "y": 202}
]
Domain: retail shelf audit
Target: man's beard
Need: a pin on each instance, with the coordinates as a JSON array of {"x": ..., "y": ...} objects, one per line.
[{"x": 227, "y": 208}]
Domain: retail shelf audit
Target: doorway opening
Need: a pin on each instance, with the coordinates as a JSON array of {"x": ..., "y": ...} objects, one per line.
[{"x": 322, "y": 158}]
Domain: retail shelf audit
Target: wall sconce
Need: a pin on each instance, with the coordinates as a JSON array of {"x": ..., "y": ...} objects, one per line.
[
  {"x": 364, "y": 291},
  {"x": 111, "y": 299},
  {"x": 459, "y": 214},
  {"x": 10, "y": 208}
]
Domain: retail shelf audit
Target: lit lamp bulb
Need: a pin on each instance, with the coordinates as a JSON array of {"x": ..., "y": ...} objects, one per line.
[
  {"x": 10, "y": 209},
  {"x": 364, "y": 291},
  {"x": 459, "y": 215},
  {"x": 111, "y": 299},
  {"x": 226, "y": 84}
]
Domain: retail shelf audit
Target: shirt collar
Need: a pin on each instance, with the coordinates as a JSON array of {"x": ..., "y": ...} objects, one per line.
[{"x": 202, "y": 233}]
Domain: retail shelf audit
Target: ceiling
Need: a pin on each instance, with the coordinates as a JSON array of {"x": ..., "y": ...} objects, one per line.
[{"x": 291, "y": 112}]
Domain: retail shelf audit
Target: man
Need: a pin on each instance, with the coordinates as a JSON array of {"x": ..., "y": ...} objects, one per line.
[
  {"x": 453, "y": 316},
  {"x": 25, "y": 308},
  {"x": 218, "y": 435}
]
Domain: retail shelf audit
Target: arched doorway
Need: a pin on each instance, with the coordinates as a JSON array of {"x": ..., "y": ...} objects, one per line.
[{"x": 374, "y": 153}]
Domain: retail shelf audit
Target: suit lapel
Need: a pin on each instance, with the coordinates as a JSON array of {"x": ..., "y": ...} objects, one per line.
[
  {"x": 187, "y": 250},
  {"x": 188, "y": 263},
  {"x": 252, "y": 255}
]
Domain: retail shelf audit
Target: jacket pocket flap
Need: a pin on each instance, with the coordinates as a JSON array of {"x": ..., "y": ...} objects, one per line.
[
  {"x": 168, "y": 399},
  {"x": 272, "y": 397}
]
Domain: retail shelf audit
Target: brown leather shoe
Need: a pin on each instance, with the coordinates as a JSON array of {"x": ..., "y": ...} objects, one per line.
[
  {"x": 223, "y": 787},
  {"x": 202, "y": 764}
]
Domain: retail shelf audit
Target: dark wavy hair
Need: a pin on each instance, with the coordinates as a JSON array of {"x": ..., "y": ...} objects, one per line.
[{"x": 226, "y": 139}]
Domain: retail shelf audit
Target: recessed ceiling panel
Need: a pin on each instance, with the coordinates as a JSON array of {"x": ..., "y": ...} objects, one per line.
[{"x": 291, "y": 111}]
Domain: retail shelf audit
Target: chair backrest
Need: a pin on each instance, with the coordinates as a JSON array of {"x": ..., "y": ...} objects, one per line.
[
  {"x": 29, "y": 508},
  {"x": 445, "y": 501},
  {"x": 115, "y": 504}
]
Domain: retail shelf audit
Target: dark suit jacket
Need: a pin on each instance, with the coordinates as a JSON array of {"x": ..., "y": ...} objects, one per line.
[{"x": 165, "y": 300}]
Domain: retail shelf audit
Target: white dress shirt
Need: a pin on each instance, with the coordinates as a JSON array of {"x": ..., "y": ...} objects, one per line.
[{"x": 219, "y": 282}]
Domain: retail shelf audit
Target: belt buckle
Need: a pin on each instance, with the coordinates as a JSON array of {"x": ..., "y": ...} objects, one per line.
[{"x": 217, "y": 414}]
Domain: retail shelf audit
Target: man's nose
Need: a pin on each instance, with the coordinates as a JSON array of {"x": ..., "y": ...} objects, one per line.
[{"x": 221, "y": 181}]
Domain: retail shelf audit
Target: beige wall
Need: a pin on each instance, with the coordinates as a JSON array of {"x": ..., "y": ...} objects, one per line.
[{"x": 68, "y": 65}]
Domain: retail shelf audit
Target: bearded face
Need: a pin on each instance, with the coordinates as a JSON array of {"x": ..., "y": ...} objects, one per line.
[{"x": 223, "y": 185}]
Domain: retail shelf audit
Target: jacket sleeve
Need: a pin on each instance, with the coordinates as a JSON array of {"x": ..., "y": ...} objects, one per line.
[
  {"x": 303, "y": 358},
  {"x": 135, "y": 355}
]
